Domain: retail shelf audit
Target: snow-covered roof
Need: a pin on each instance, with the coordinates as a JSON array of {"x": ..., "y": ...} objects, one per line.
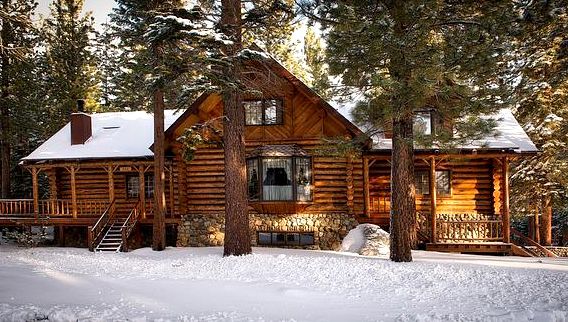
[
  {"x": 510, "y": 136},
  {"x": 114, "y": 135}
]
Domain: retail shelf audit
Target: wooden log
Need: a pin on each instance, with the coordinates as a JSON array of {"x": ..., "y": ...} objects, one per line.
[
  {"x": 366, "y": 189},
  {"x": 35, "y": 188},
  {"x": 142, "y": 190},
  {"x": 505, "y": 205},
  {"x": 432, "y": 190},
  {"x": 72, "y": 171},
  {"x": 547, "y": 222}
]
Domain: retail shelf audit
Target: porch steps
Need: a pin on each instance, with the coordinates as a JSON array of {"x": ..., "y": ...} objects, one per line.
[
  {"x": 487, "y": 248},
  {"x": 112, "y": 241}
]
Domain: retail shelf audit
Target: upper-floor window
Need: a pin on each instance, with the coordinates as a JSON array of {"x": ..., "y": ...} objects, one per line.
[
  {"x": 264, "y": 112},
  {"x": 423, "y": 123},
  {"x": 133, "y": 186},
  {"x": 443, "y": 182}
]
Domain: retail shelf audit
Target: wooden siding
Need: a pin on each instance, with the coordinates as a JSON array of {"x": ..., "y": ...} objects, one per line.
[{"x": 474, "y": 186}]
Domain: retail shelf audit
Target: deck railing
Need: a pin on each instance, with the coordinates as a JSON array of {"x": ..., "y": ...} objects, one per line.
[
  {"x": 17, "y": 207},
  {"x": 51, "y": 208},
  {"x": 95, "y": 232},
  {"x": 469, "y": 230},
  {"x": 379, "y": 204},
  {"x": 129, "y": 225}
]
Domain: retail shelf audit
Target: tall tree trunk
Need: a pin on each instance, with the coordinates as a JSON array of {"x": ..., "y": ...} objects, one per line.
[
  {"x": 546, "y": 222},
  {"x": 159, "y": 227},
  {"x": 5, "y": 152},
  {"x": 403, "y": 209},
  {"x": 237, "y": 234}
]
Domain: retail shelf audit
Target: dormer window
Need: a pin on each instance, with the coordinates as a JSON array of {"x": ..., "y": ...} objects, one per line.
[
  {"x": 264, "y": 112},
  {"x": 423, "y": 122}
]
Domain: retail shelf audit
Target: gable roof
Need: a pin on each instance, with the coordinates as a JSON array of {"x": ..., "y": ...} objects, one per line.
[
  {"x": 510, "y": 136},
  {"x": 287, "y": 75},
  {"x": 115, "y": 135}
]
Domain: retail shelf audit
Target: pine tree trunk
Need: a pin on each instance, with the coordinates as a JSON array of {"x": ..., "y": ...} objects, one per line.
[
  {"x": 159, "y": 227},
  {"x": 546, "y": 222},
  {"x": 237, "y": 235},
  {"x": 403, "y": 209},
  {"x": 403, "y": 222},
  {"x": 5, "y": 112}
]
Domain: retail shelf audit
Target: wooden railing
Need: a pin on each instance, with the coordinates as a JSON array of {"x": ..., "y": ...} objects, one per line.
[
  {"x": 51, "y": 207},
  {"x": 129, "y": 224},
  {"x": 379, "y": 204},
  {"x": 469, "y": 230},
  {"x": 95, "y": 232},
  {"x": 525, "y": 241},
  {"x": 17, "y": 207}
]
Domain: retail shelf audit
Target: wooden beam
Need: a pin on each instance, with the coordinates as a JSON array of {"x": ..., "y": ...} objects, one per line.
[
  {"x": 366, "y": 187},
  {"x": 72, "y": 170},
  {"x": 35, "y": 188},
  {"x": 171, "y": 189},
  {"x": 536, "y": 224},
  {"x": 432, "y": 190},
  {"x": 110, "y": 170},
  {"x": 349, "y": 181},
  {"x": 505, "y": 216}
]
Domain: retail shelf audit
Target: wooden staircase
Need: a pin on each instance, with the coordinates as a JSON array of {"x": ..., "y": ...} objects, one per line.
[
  {"x": 112, "y": 240},
  {"x": 110, "y": 233}
]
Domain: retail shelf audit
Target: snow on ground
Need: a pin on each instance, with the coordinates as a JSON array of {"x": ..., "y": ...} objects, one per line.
[{"x": 197, "y": 284}]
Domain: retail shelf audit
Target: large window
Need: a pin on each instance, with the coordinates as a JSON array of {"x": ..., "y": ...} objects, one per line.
[
  {"x": 443, "y": 183},
  {"x": 264, "y": 112},
  {"x": 133, "y": 186},
  {"x": 279, "y": 178}
]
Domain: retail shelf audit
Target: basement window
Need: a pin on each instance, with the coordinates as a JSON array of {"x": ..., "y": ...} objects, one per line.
[
  {"x": 275, "y": 238},
  {"x": 264, "y": 112}
]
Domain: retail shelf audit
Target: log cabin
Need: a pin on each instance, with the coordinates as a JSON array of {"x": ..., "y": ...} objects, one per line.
[{"x": 99, "y": 170}]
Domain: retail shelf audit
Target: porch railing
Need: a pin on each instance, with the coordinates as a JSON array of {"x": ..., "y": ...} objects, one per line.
[
  {"x": 469, "y": 230},
  {"x": 51, "y": 207},
  {"x": 95, "y": 232},
  {"x": 379, "y": 204}
]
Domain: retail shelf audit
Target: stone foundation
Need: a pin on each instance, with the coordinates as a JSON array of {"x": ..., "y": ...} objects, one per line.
[{"x": 209, "y": 229}]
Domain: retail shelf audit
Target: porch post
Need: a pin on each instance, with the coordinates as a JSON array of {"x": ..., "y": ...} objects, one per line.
[
  {"x": 536, "y": 223},
  {"x": 142, "y": 190},
  {"x": 35, "y": 192},
  {"x": 72, "y": 171},
  {"x": 547, "y": 222},
  {"x": 366, "y": 187},
  {"x": 110, "y": 172},
  {"x": 505, "y": 216},
  {"x": 432, "y": 191},
  {"x": 171, "y": 192}
]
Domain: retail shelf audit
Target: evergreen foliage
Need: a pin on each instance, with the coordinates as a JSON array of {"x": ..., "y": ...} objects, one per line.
[{"x": 314, "y": 54}]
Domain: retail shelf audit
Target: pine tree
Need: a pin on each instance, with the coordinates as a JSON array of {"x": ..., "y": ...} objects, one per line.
[
  {"x": 70, "y": 62},
  {"x": 539, "y": 56},
  {"x": 317, "y": 70},
  {"x": 410, "y": 55},
  {"x": 17, "y": 41}
]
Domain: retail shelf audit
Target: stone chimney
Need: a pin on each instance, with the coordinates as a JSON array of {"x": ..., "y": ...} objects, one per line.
[{"x": 81, "y": 129}]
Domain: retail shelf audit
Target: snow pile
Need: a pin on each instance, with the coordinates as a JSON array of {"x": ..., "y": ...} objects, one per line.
[
  {"x": 367, "y": 240},
  {"x": 198, "y": 284}
]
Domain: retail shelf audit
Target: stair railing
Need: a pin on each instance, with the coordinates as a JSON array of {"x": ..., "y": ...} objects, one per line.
[
  {"x": 129, "y": 224},
  {"x": 525, "y": 240},
  {"x": 95, "y": 232}
]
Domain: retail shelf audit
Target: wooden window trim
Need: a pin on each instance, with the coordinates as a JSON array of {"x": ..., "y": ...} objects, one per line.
[
  {"x": 293, "y": 179},
  {"x": 136, "y": 175},
  {"x": 438, "y": 195},
  {"x": 263, "y": 107}
]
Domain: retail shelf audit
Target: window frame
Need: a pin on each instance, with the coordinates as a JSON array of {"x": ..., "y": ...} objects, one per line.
[
  {"x": 293, "y": 180},
  {"x": 438, "y": 194},
  {"x": 146, "y": 190},
  {"x": 264, "y": 106},
  {"x": 274, "y": 233}
]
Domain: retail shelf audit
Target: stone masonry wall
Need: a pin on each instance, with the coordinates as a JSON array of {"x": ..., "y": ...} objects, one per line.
[{"x": 209, "y": 229}]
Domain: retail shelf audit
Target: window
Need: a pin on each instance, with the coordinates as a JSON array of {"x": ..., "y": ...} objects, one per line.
[
  {"x": 443, "y": 183},
  {"x": 133, "y": 186},
  {"x": 286, "y": 238},
  {"x": 264, "y": 112},
  {"x": 423, "y": 123},
  {"x": 279, "y": 178}
]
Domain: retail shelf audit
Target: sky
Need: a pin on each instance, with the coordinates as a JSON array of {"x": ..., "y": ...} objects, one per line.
[{"x": 99, "y": 8}]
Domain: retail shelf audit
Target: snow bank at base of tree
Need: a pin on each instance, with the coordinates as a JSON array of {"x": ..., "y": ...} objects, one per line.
[
  {"x": 198, "y": 284},
  {"x": 367, "y": 240}
]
